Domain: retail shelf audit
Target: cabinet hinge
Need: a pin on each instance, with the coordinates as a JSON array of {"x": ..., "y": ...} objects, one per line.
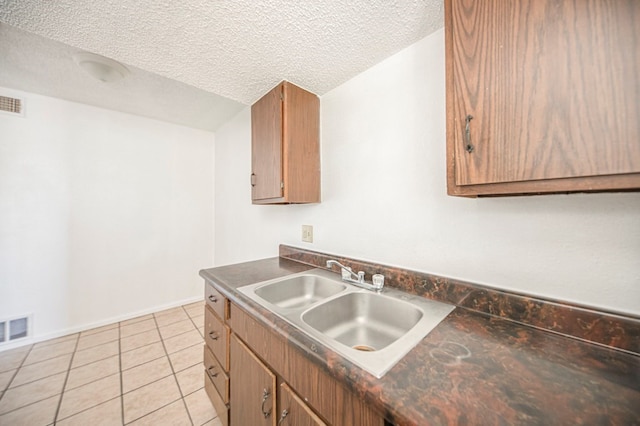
[{"x": 281, "y": 185}]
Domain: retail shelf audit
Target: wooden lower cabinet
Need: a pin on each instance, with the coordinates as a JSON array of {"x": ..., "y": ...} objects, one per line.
[
  {"x": 253, "y": 388},
  {"x": 293, "y": 411}
]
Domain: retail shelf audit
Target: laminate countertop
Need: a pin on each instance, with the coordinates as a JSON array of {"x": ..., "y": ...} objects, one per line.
[{"x": 473, "y": 368}]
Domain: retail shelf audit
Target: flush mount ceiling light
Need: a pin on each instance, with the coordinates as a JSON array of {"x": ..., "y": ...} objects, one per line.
[{"x": 101, "y": 68}]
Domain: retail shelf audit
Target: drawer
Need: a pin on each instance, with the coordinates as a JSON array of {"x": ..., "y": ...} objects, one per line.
[
  {"x": 216, "y": 336},
  {"x": 216, "y": 374},
  {"x": 216, "y": 400},
  {"x": 216, "y": 301}
]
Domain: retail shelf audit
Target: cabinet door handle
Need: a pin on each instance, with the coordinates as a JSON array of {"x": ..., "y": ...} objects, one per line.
[
  {"x": 213, "y": 335},
  {"x": 209, "y": 371},
  {"x": 253, "y": 179},
  {"x": 284, "y": 414},
  {"x": 213, "y": 298},
  {"x": 467, "y": 134},
  {"x": 265, "y": 396}
]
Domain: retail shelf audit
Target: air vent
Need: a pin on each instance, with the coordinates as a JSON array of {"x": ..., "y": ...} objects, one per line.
[
  {"x": 14, "y": 106},
  {"x": 15, "y": 328}
]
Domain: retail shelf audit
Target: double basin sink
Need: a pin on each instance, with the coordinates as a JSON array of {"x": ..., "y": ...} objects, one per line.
[{"x": 372, "y": 330}]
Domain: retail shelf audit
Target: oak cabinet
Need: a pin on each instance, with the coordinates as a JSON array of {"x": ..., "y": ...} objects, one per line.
[
  {"x": 293, "y": 411},
  {"x": 542, "y": 96},
  {"x": 253, "y": 400},
  {"x": 216, "y": 352},
  {"x": 285, "y": 147}
]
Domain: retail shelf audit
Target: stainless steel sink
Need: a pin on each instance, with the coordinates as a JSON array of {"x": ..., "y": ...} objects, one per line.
[
  {"x": 363, "y": 321},
  {"x": 299, "y": 291},
  {"x": 372, "y": 330}
]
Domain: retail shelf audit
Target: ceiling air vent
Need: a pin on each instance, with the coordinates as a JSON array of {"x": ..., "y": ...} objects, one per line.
[{"x": 14, "y": 106}]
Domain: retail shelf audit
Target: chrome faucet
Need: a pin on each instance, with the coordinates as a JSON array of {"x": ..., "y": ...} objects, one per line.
[{"x": 347, "y": 274}]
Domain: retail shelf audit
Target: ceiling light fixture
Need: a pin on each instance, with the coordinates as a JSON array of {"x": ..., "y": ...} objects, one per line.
[{"x": 101, "y": 68}]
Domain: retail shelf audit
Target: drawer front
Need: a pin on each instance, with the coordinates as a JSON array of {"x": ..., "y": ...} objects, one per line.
[
  {"x": 216, "y": 335},
  {"x": 216, "y": 301},
  {"x": 216, "y": 400},
  {"x": 216, "y": 374}
]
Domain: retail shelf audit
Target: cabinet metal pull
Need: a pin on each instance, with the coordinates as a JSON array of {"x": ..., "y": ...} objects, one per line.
[
  {"x": 253, "y": 179},
  {"x": 210, "y": 369},
  {"x": 467, "y": 134},
  {"x": 284, "y": 414},
  {"x": 213, "y": 298},
  {"x": 265, "y": 396},
  {"x": 213, "y": 335}
]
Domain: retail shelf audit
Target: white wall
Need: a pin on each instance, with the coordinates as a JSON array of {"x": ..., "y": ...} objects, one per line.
[
  {"x": 103, "y": 215},
  {"x": 384, "y": 199}
]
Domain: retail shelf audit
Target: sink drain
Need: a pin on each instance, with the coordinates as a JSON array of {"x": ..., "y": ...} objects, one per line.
[{"x": 363, "y": 348}]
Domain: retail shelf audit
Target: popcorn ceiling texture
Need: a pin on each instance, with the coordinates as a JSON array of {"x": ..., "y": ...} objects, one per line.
[{"x": 235, "y": 49}]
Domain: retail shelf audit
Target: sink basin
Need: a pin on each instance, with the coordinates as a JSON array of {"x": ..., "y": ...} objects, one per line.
[
  {"x": 371, "y": 330},
  {"x": 363, "y": 321},
  {"x": 300, "y": 291}
]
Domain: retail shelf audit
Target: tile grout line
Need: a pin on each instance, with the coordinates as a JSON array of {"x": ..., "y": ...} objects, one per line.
[
  {"x": 120, "y": 371},
  {"x": 4, "y": 392},
  {"x": 66, "y": 378}
]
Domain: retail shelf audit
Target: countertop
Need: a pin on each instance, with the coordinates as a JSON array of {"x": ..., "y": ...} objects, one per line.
[{"x": 473, "y": 368}]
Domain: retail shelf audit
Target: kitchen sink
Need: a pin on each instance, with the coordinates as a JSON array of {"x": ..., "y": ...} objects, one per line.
[
  {"x": 372, "y": 330},
  {"x": 300, "y": 291},
  {"x": 363, "y": 321}
]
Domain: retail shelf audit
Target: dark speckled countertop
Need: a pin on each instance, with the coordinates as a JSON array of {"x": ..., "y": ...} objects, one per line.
[{"x": 473, "y": 368}]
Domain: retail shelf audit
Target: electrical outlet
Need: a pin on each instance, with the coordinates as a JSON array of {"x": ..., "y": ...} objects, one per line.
[{"x": 307, "y": 233}]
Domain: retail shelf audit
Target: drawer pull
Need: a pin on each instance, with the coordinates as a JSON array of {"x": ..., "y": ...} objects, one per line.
[
  {"x": 209, "y": 371},
  {"x": 284, "y": 414},
  {"x": 265, "y": 396},
  {"x": 213, "y": 298},
  {"x": 467, "y": 134},
  {"x": 213, "y": 335}
]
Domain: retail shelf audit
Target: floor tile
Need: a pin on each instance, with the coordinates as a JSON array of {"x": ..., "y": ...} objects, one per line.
[
  {"x": 38, "y": 414},
  {"x": 187, "y": 357},
  {"x": 176, "y": 328},
  {"x": 201, "y": 331},
  {"x": 89, "y": 395},
  {"x": 136, "y": 319},
  {"x": 51, "y": 351},
  {"x": 40, "y": 370},
  {"x": 198, "y": 320},
  {"x": 200, "y": 407},
  {"x": 56, "y": 340},
  {"x": 163, "y": 320},
  {"x": 32, "y": 392},
  {"x": 169, "y": 312},
  {"x": 12, "y": 359},
  {"x": 88, "y": 373},
  {"x": 181, "y": 341},
  {"x": 214, "y": 422},
  {"x": 138, "y": 340},
  {"x": 195, "y": 310},
  {"x": 149, "y": 398},
  {"x": 174, "y": 414},
  {"x": 96, "y": 339},
  {"x": 138, "y": 327},
  {"x": 190, "y": 380},
  {"x": 144, "y": 374},
  {"x": 99, "y": 329},
  {"x": 5, "y": 378},
  {"x": 106, "y": 414},
  {"x": 95, "y": 353},
  {"x": 141, "y": 355}
]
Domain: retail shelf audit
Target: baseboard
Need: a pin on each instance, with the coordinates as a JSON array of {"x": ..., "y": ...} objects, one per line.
[{"x": 72, "y": 330}]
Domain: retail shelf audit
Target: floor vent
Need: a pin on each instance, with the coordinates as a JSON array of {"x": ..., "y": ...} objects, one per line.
[
  {"x": 13, "y": 106},
  {"x": 14, "y": 329}
]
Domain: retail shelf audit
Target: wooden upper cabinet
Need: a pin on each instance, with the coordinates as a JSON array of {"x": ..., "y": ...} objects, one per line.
[
  {"x": 285, "y": 147},
  {"x": 542, "y": 96}
]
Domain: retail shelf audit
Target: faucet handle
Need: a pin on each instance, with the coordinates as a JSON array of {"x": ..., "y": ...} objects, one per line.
[{"x": 378, "y": 281}]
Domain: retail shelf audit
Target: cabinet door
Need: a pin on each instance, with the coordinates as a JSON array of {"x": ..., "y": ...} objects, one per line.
[
  {"x": 253, "y": 387},
  {"x": 294, "y": 411},
  {"x": 266, "y": 146},
  {"x": 552, "y": 88}
]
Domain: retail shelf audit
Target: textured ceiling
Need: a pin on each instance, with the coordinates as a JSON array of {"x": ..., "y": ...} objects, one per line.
[{"x": 235, "y": 49}]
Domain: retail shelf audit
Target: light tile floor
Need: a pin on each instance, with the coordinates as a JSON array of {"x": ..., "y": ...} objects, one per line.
[{"x": 144, "y": 371}]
